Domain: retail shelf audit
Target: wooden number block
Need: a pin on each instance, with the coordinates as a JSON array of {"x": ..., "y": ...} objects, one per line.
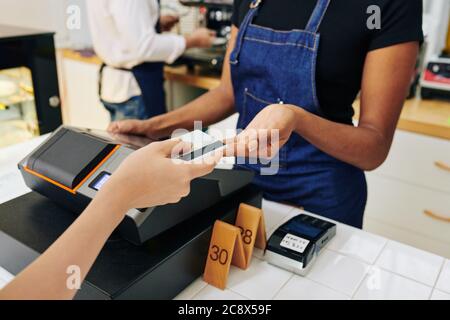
[
  {"x": 225, "y": 247},
  {"x": 250, "y": 221},
  {"x": 234, "y": 244}
]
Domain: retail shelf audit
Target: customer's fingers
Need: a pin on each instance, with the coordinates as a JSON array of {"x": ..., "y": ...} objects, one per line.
[
  {"x": 237, "y": 149},
  {"x": 173, "y": 147},
  {"x": 181, "y": 148},
  {"x": 230, "y": 147},
  {"x": 199, "y": 169}
]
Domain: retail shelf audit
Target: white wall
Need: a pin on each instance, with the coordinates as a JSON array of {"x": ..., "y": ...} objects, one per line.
[
  {"x": 52, "y": 15},
  {"x": 47, "y": 15},
  {"x": 436, "y": 19}
]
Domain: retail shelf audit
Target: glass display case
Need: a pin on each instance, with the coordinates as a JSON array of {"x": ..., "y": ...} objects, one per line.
[
  {"x": 18, "y": 117},
  {"x": 29, "y": 93}
]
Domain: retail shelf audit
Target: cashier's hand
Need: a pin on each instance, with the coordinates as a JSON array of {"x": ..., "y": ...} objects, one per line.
[
  {"x": 149, "y": 177},
  {"x": 200, "y": 38},
  {"x": 167, "y": 22},
  {"x": 266, "y": 134}
]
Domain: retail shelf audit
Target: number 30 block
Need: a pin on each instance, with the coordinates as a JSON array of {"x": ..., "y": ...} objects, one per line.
[{"x": 234, "y": 244}]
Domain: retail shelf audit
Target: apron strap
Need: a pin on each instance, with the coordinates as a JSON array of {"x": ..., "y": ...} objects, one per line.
[
  {"x": 317, "y": 16},
  {"x": 100, "y": 77},
  {"x": 100, "y": 81},
  {"x": 158, "y": 22},
  {"x": 254, "y": 6}
]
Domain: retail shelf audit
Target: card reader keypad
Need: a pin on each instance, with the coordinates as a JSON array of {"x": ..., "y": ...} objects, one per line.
[{"x": 294, "y": 243}]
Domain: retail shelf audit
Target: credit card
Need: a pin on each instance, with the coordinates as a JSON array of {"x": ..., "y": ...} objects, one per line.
[{"x": 202, "y": 145}]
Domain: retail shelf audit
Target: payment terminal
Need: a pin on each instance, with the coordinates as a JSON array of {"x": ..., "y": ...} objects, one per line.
[{"x": 295, "y": 245}]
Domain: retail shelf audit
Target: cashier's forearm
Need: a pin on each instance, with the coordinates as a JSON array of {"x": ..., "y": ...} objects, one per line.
[
  {"x": 54, "y": 273},
  {"x": 364, "y": 147}
]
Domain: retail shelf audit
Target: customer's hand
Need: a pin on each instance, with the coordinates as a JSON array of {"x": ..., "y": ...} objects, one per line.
[
  {"x": 147, "y": 178},
  {"x": 200, "y": 38},
  {"x": 266, "y": 133},
  {"x": 150, "y": 177},
  {"x": 167, "y": 22}
]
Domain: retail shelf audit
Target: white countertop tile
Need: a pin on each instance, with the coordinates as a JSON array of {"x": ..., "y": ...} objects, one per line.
[
  {"x": 2, "y": 284},
  {"x": 357, "y": 244},
  {"x": 338, "y": 272},
  {"x": 5, "y": 277},
  {"x": 444, "y": 278},
  {"x": 261, "y": 281},
  {"x": 212, "y": 293},
  {"x": 193, "y": 289},
  {"x": 440, "y": 295},
  {"x": 383, "y": 285},
  {"x": 12, "y": 186},
  {"x": 11, "y": 181},
  {"x": 274, "y": 213},
  {"x": 410, "y": 262},
  {"x": 299, "y": 288},
  {"x": 11, "y": 155}
]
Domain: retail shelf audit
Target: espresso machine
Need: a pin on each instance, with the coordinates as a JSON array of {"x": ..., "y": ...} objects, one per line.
[{"x": 217, "y": 16}]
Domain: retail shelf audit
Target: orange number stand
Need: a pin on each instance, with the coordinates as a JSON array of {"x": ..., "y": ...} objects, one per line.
[{"x": 234, "y": 244}]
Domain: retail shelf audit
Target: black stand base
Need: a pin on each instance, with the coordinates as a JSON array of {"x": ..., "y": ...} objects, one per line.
[{"x": 159, "y": 269}]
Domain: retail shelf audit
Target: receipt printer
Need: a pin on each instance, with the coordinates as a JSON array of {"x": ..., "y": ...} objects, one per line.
[
  {"x": 73, "y": 164},
  {"x": 295, "y": 245}
]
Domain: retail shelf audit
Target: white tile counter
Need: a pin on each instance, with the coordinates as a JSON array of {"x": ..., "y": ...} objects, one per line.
[
  {"x": 11, "y": 182},
  {"x": 354, "y": 265}
]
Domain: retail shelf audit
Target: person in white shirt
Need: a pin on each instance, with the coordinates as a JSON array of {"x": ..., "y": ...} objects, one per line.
[{"x": 126, "y": 36}]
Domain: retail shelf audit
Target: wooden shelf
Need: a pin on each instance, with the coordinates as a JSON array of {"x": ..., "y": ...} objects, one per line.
[
  {"x": 76, "y": 55},
  {"x": 194, "y": 78}
]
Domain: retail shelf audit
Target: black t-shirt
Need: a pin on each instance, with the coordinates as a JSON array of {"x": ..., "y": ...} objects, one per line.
[{"x": 345, "y": 40}]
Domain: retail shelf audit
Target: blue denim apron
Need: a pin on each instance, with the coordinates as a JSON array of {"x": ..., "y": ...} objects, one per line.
[
  {"x": 151, "y": 102},
  {"x": 270, "y": 67},
  {"x": 150, "y": 77}
]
